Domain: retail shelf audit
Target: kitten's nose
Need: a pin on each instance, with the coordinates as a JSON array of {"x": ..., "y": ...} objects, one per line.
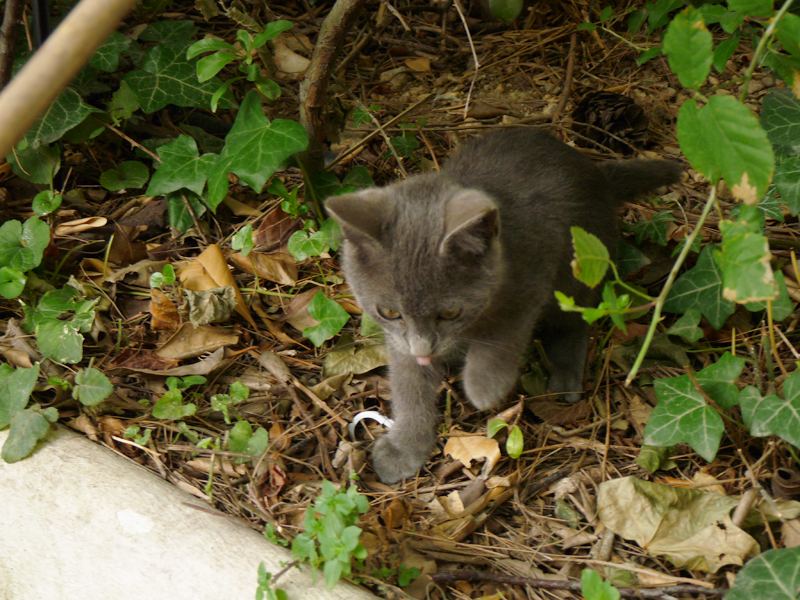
[{"x": 419, "y": 346}]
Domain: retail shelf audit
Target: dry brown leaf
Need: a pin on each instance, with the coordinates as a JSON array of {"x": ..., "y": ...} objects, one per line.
[
  {"x": 473, "y": 447},
  {"x": 190, "y": 341},
  {"x": 124, "y": 249},
  {"x": 297, "y": 312},
  {"x": 275, "y": 365},
  {"x": 395, "y": 514},
  {"x": 96, "y": 269},
  {"x": 213, "y": 260},
  {"x": 791, "y": 533},
  {"x": 78, "y": 225},
  {"x": 240, "y": 209},
  {"x": 559, "y": 413},
  {"x": 164, "y": 314},
  {"x": 420, "y": 65},
  {"x": 277, "y": 266},
  {"x": 142, "y": 270},
  {"x": 287, "y": 61}
]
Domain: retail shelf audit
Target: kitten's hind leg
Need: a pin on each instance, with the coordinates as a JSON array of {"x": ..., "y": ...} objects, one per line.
[{"x": 566, "y": 342}]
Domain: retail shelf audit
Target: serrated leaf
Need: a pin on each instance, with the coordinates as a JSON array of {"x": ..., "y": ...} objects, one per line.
[
  {"x": 752, "y": 8},
  {"x": 787, "y": 182},
  {"x": 91, "y": 387},
  {"x": 782, "y": 307},
  {"x": 22, "y": 245},
  {"x": 775, "y": 574},
  {"x": 780, "y": 118},
  {"x": 719, "y": 380},
  {"x": 16, "y": 386},
  {"x": 168, "y": 31},
  {"x": 181, "y": 167},
  {"x": 168, "y": 77},
  {"x": 687, "y": 326},
  {"x": 128, "y": 174},
  {"x": 60, "y": 341},
  {"x": 66, "y": 111},
  {"x": 772, "y": 415},
  {"x": 27, "y": 428},
  {"x": 682, "y": 415},
  {"x": 688, "y": 45},
  {"x": 37, "y": 165},
  {"x": 723, "y": 138},
  {"x": 701, "y": 288},
  {"x": 591, "y": 257},
  {"x": 788, "y": 68},
  {"x": 254, "y": 149},
  {"x": 106, "y": 57},
  {"x": 330, "y": 316},
  {"x": 744, "y": 261}
]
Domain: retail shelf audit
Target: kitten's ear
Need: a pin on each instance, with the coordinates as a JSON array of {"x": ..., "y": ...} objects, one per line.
[
  {"x": 471, "y": 223},
  {"x": 361, "y": 215}
]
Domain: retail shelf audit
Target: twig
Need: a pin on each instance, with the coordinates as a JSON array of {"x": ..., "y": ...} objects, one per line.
[
  {"x": 748, "y": 75},
  {"x": 8, "y": 39},
  {"x": 457, "y": 4},
  {"x": 662, "y": 297},
  {"x": 664, "y": 593},
  {"x": 562, "y": 102},
  {"x": 323, "y": 445}
]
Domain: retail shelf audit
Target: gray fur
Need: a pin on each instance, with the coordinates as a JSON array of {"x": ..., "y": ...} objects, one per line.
[{"x": 489, "y": 237}]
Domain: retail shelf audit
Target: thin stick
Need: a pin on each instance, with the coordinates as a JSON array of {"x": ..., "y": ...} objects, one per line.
[
  {"x": 457, "y": 4},
  {"x": 562, "y": 102},
  {"x": 8, "y": 38}
]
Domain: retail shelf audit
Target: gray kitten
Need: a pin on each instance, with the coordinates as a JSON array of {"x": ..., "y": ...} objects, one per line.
[{"x": 468, "y": 259}]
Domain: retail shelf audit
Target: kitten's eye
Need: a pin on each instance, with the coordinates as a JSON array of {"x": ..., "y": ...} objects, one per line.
[
  {"x": 388, "y": 313},
  {"x": 450, "y": 314}
]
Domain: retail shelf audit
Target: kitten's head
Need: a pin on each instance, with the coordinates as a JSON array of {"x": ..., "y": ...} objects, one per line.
[{"x": 423, "y": 258}]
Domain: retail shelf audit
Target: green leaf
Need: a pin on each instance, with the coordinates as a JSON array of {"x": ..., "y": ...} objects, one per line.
[
  {"x": 330, "y": 316},
  {"x": 688, "y": 45},
  {"x": 242, "y": 240},
  {"x": 780, "y": 118},
  {"x": 769, "y": 207},
  {"x": 16, "y": 386},
  {"x": 782, "y": 308},
  {"x": 45, "y": 202},
  {"x": 22, "y": 245},
  {"x": 789, "y": 34},
  {"x": 271, "y": 31},
  {"x": 701, "y": 289},
  {"x": 168, "y": 77},
  {"x": 37, "y": 165},
  {"x": 731, "y": 20},
  {"x": 208, "y": 45},
  {"x": 658, "y": 13},
  {"x": 208, "y": 66},
  {"x": 648, "y": 54},
  {"x": 66, "y": 111},
  {"x": 332, "y": 571},
  {"x": 787, "y": 182},
  {"x": 655, "y": 228},
  {"x": 179, "y": 216},
  {"x": 128, "y": 174},
  {"x": 181, "y": 167},
  {"x": 654, "y": 458},
  {"x": 171, "y": 407},
  {"x": 687, "y": 326},
  {"x": 682, "y": 415},
  {"x": 775, "y": 574},
  {"x": 725, "y": 50},
  {"x": 594, "y": 588},
  {"x": 752, "y": 8},
  {"x": 244, "y": 441},
  {"x": 123, "y": 103},
  {"x": 591, "y": 257},
  {"x": 301, "y": 245},
  {"x": 515, "y": 442},
  {"x": 12, "y": 282},
  {"x": 168, "y": 31},
  {"x": 495, "y": 425},
  {"x": 27, "y": 427},
  {"x": 60, "y": 341},
  {"x": 91, "y": 387},
  {"x": 744, "y": 260},
  {"x": 505, "y": 10},
  {"x": 723, "y": 138},
  {"x": 771, "y": 415},
  {"x": 606, "y": 14},
  {"x": 719, "y": 380},
  {"x": 106, "y": 57},
  {"x": 254, "y": 149},
  {"x": 630, "y": 259}
]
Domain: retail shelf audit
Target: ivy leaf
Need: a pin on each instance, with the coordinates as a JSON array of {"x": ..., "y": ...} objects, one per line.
[
  {"x": 66, "y": 111},
  {"x": 771, "y": 415},
  {"x": 179, "y": 216},
  {"x": 254, "y": 149},
  {"x": 688, "y": 45},
  {"x": 744, "y": 261},
  {"x": 181, "y": 167},
  {"x": 37, "y": 165},
  {"x": 775, "y": 574},
  {"x": 106, "y": 57},
  {"x": 591, "y": 257},
  {"x": 331, "y": 318},
  {"x": 16, "y": 386},
  {"x": 655, "y": 228},
  {"x": 780, "y": 118},
  {"x": 301, "y": 245},
  {"x": 168, "y": 77},
  {"x": 769, "y": 207},
  {"x": 782, "y": 308},
  {"x": 787, "y": 182},
  {"x": 723, "y": 139},
  {"x": 22, "y": 245},
  {"x": 701, "y": 289},
  {"x": 27, "y": 427},
  {"x": 128, "y": 174},
  {"x": 630, "y": 259},
  {"x": 593, "y": 586},
  {"x": 687, "y": 326},
  {"x": 719, "y": 380},
  {"x": 683, "y": 415},
  {"x": 91, "y": 387},
  {"x": 168, "y": 31}
]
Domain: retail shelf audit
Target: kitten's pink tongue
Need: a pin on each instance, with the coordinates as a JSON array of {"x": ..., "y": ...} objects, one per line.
[{"x": 424, "y": 361}]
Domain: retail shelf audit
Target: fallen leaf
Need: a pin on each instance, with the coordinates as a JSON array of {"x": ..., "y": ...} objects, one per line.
[
  {"x": 420, "y": 65},
  {"x": 190, "y": 341},
  {"x": 213, "y": 260},
  {"x": 79, "y": 225},
  {"x": 164, "y": 314},
  {"x": 473, "y": 447},
  {"x": 277, "y": 266}
]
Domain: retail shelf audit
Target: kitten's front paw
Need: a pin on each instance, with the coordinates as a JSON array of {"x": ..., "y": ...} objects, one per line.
[
  {"x": 486, "y": 390},
  {"x": 393, "y": 462},
  {"x": 570, "y": 382}
]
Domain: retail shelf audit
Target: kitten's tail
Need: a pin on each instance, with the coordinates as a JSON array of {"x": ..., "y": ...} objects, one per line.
[{"x": 631, "y": 178}]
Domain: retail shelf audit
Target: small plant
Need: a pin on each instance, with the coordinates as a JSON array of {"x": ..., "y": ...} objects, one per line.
[
  {"x": 166, "y": 277},
  {"x": 170, "y": 406},
  {"x": 132, "y": 433},
  {"x": 239, "y": 392},
  {"x": 594, "y": 588},
  {"x": 515, "y": 441}
]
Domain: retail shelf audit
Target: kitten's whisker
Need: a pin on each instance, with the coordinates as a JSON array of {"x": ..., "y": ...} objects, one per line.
[{"x": 499, "y": 345}]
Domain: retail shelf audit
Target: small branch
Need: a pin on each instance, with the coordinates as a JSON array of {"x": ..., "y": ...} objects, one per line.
[
  {"x": 664, "y": 593},
  {"x": 8, "y": 39},
  {"x": 457, "y": 4},
  {"x": 562, "y": 102},
  {"x": 673, "y": 274},
  {"x": 748, "y": 75}
]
